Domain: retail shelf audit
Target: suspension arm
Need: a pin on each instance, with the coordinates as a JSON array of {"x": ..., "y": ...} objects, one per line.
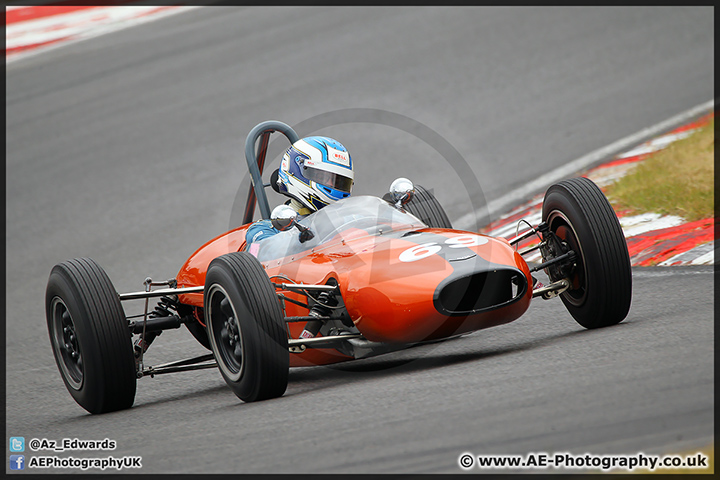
[
  {"x": 567, "y": 256},
  {"x": 302, "y": 286},
  {"x": 160, "y": 293},
  {"x": 155, "y": 324}
]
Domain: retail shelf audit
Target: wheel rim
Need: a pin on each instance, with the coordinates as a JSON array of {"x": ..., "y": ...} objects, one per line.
[
  {"x": 225, "y": 333},
  {"x": 66, "y": 344},
  {"x": 561, "y": 226}
]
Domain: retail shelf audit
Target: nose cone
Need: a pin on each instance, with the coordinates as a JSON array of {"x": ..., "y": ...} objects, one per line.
[
  {"x": 433, "y": 284},
  {"x": 479, "y": 290}
]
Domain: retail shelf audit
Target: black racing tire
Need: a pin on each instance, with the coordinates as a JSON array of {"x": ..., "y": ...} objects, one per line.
[
  {"x": 578, "y": 212},
  {"x": 90, "y": 337},
  {"x": 246, "y": 327},
  {"x": 426, "y": 207}
]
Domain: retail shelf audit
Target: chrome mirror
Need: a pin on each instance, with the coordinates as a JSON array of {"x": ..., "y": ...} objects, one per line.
[
  {"x": 283, "y": 217},
  {"x": 401, "y": 191}
]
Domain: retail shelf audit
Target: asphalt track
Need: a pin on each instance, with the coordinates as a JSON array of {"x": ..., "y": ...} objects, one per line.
[{"x": 128, "y": 149}]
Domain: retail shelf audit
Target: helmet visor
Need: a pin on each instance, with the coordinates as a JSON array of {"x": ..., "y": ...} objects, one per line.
[{"x": 329, "y": 179}]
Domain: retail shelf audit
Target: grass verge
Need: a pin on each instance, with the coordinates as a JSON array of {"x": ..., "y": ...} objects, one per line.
[{"x": 678, "y": 180}]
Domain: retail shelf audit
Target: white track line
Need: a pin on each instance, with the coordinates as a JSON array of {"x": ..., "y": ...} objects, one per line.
[
  {"x": 510, "y": 199},
  {"x": 656, "y": 144},
  {"x": 642, "y": 272}
]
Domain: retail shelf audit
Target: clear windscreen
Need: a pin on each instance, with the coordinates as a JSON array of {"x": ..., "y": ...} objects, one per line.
[{"x": 367, "y": 215}]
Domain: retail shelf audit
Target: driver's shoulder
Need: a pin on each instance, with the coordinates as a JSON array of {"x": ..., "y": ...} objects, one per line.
[{"x": 259, "y": 229}]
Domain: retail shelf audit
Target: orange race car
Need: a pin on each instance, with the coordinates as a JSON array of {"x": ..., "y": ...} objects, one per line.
[{"x": 361, "y": 277}]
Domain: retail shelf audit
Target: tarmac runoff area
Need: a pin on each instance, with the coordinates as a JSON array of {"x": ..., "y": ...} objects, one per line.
[{"x": 653, "y": 239}]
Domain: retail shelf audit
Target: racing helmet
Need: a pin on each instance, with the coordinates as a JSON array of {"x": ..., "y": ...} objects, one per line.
[{"x": 316, "y": 171}]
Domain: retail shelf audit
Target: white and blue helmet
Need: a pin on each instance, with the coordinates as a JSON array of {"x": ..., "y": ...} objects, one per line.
[{"x": 316, "y": 171}]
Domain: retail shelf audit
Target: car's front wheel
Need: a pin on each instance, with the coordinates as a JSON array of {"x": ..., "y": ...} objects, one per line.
[
  {"x": 246, "y": 327},
  {"x": 580, "y": 216}
]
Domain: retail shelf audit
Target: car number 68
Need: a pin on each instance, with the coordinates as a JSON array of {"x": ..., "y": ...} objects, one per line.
[{"x": 424, "y": 250}]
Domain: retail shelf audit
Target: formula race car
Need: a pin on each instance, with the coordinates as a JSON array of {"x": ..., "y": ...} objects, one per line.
[{"x": 361, "y": 277}]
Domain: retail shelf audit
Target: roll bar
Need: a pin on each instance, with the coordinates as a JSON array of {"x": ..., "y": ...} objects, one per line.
[{"x": 256, "y": 162}]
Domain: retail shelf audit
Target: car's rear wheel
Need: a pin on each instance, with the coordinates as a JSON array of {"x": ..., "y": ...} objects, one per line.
[
  {"x": 579, "y": 214},
  {"x": 90, "y": 337},
  {"x": 427, "y": 208},
  {"x": 246, "y": 327}
]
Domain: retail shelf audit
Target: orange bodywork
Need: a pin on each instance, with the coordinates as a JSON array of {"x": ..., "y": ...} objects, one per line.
[{"x": 388, "y": 282}]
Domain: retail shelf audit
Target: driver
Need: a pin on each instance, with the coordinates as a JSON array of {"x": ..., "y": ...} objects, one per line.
[{"x": 315, "y": 172}]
